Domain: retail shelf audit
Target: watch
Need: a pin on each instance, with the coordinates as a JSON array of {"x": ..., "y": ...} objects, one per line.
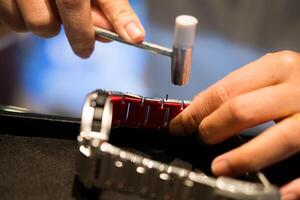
[{"x": 103, "y": 165}]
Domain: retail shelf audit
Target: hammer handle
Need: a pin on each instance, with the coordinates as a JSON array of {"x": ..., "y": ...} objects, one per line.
[{"x": 154, "y": 48}]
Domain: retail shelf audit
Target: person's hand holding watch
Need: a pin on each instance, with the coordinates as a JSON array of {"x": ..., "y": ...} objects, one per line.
[{"x": 264, "y": 90}]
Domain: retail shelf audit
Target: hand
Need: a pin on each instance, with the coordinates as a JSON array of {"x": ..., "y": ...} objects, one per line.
[
  {"x": 267, "y": 89},
  {"x": 291, "y": 191},
  {"x": 44, "y": 18}
]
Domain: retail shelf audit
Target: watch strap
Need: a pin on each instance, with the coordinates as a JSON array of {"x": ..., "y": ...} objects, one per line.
[
  {"x": 135, "y": 111},
  {"x": 103, "y": 165}
]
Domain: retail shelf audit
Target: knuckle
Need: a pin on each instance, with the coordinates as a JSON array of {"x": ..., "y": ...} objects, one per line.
[
  {"x": 205, "y": 107},
  {"x": 238, "y": 111},
  {"x": 290, "y": 140},
  {"x": 202, "y": 131},
  {"x": 44, "y": 29},
  {"x": 43, "y": 25},
  {"x": 289, "y": 58},
  {"x": 121, "y": 13},
  {"x": 190, "y": 122},
  {"x": 119, "y": 10},
  {"x": 205, "y": 137},
  {"x": 220, "y": 94}
]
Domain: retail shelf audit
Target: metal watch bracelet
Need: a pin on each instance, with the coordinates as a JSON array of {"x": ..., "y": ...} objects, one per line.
[{"x": 103, "y": 165}]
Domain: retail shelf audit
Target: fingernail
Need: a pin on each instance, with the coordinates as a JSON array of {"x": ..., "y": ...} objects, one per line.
[
  {"x": 289, "y": 197},
  {"x": 134, "y": 31},
  {"x": 221, "y": 166},
  {"x": 84, "y": 53}
]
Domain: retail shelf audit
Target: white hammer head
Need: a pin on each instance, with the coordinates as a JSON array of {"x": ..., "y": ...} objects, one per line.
[{"x": 184, "y": 37}]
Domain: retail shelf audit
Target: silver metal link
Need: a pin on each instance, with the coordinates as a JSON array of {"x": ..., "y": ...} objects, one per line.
[{"x": 103, "y": 165}]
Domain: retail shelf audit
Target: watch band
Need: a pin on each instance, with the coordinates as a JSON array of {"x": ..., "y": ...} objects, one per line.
[
  {"x": 135, "y": 111},
  {"x": 103, "y": 165}
]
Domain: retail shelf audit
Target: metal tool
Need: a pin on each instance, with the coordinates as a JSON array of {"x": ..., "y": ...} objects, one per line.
[{"x": 181, "y": 54}]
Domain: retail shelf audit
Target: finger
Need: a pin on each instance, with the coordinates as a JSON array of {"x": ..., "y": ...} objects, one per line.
[
  {"x": 273, "y": 145},
  {"x": 40, "y": 17},
  {"x": 11, "y": 16},
  {"x": 291, "y": 191},
  {"x": 266, "y": 71},
  {"x": 77, "y": 21},
  {"x": 248, "y": 110},
  {"x": 99, "y": 20},
  {"x": 124, "y": 20}
]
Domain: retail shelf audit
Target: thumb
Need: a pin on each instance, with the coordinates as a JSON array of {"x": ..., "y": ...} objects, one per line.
[
  {"x": 122, "y": 17},
  {"x": 291, "y": 190}
]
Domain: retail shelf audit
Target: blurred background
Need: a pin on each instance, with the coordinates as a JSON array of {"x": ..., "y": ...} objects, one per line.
[{"x": 45, "y": 76}]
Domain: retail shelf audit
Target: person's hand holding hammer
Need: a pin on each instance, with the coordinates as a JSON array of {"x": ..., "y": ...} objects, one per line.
[{"x": 44, "y": 18}]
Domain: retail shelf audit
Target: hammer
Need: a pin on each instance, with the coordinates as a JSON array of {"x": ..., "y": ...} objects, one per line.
[{"x": 181, "y": 54}]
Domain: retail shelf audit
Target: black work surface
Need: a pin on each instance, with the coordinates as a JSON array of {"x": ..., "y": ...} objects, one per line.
[
  {"x": 35, "y": 166},
  {"x": 42, "y": 168}
]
